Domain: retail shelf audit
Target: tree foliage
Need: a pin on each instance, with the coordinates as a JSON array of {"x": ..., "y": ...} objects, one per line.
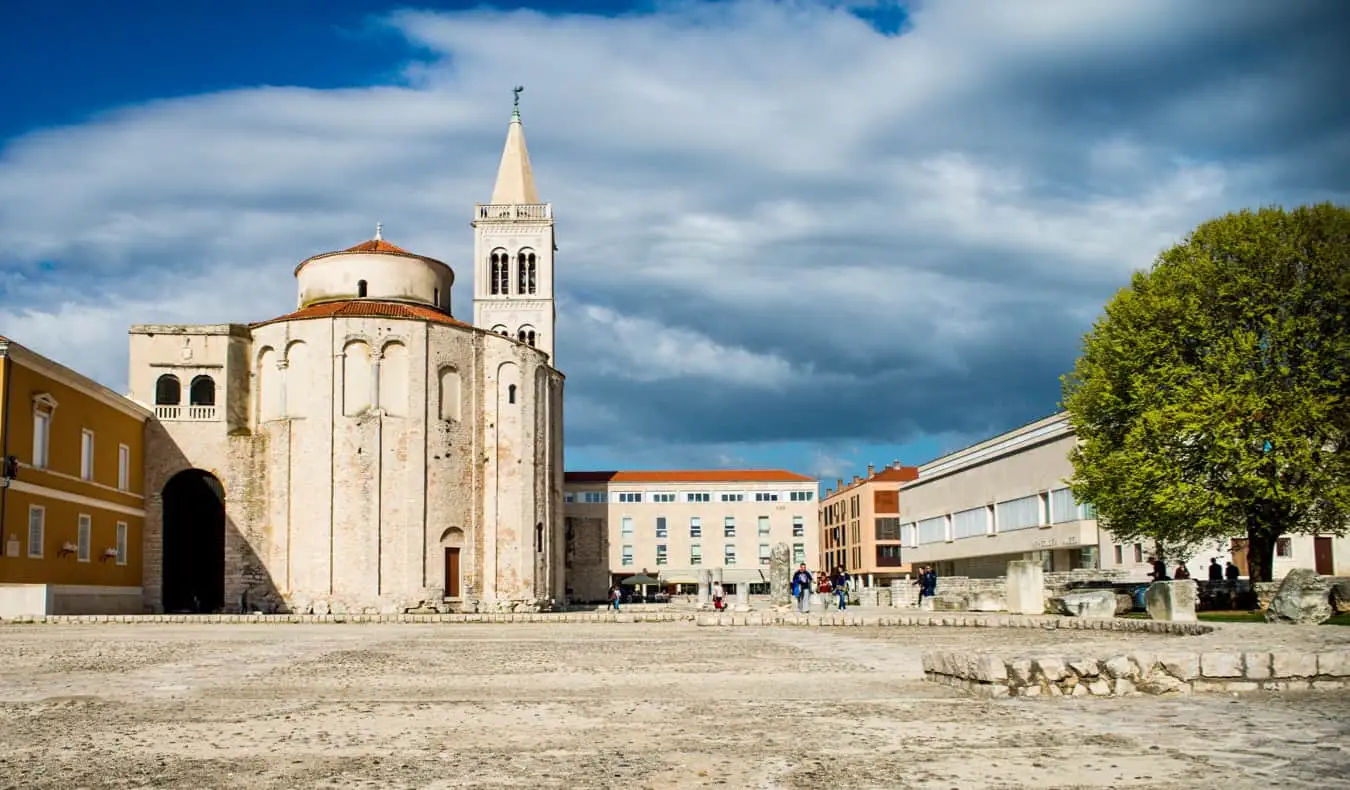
[{"x": 1212, "y": 399}]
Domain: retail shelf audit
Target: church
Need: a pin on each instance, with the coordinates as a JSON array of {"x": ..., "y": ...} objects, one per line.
[{"x": 368, "y": 452}]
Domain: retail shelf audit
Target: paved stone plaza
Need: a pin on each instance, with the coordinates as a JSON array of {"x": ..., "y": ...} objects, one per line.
[{"x": 623, "y": 705}]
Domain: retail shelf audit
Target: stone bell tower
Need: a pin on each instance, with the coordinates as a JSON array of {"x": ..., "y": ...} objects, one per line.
[{"x": 513, "y": 251}]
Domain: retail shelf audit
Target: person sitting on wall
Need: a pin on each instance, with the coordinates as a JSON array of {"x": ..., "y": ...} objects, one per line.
[{"x": 1182, "y": 572}]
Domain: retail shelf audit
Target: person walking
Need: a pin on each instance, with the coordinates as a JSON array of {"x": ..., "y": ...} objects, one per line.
[
  {"x": 615, "y": 595},
  {"x": 1215, "y": 570},
  {"x": 839, "y": 582},
  {"x": 930, "y": 585},
  {"x": 717, "y": 595},
  {"x": 921, "y": 581},
  {"x": 801, "y": 589},
  {"x": 1232, "y": 572}
]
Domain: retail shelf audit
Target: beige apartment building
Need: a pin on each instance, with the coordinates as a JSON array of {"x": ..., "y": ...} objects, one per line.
[
  {"x": 859, "y": 525},
  {"x": 1007, "y": 498},
  {"x": 671, "y": 525}
]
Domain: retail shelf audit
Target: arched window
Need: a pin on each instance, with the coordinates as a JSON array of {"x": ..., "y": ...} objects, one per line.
[
  {"x": 525, "y": 280},
  {"x": 525, "y": 335},
  {"x": 168, "y": 391},
  {"x": 501, "y": 330},
  {"x": 361, "y": 289},
  {"x": 202, "y": 391},
  {"x": 539, "y": 538},
  {"x": 501, "y": 272},
  {"x": 529, "y": 338},
  {"x": 511, "y": 394},
  {"x": 436, "y": 296}
]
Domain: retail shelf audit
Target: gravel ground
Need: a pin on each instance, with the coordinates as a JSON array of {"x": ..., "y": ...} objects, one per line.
[{"x": 609, "y": 705}]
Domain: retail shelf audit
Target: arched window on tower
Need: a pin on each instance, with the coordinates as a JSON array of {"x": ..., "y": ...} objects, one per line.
[
  {"x": 168, "y": 390},
  {"x": 501, "y": 272},
  {"x": 525, "y": 335},
  {"x": 511, "y": 394},
  {"x": 361, "y": 289},
  {"x": 525, "y": 272},
  {"x": 202, "y": 391}
]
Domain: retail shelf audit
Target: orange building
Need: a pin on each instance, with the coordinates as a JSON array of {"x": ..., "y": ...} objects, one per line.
[
  {"x": 860, "y": 525},
  {"x": 71, "y": 500}
]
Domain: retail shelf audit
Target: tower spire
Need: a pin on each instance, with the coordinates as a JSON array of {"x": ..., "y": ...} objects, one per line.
[{"x": 515, "y": 178}]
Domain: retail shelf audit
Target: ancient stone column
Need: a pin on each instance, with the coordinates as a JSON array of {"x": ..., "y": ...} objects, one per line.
[
  {"x": 704, "y": 587},
  {"x": 1026, "y": 587},
  {"x": 743, "y": 597},
  {"x": 1171, "y": 601},
  {"x": 780, "y": 575}
]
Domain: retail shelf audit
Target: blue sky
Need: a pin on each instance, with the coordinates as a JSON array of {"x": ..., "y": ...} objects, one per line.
[{"x": 793, "y": 234}]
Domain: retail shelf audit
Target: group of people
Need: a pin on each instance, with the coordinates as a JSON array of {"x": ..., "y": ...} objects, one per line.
[
  {"x": 804, "y": 583},
  {"x": 1217, "y": 572}
]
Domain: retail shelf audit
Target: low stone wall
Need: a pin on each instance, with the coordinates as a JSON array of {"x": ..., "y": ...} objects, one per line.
[
  {"x": 279, "y": 619},
  {"x": 1138, "y": 673},
  {"x": 939, "y": 620},
  {"x": 960, "y": 593}
]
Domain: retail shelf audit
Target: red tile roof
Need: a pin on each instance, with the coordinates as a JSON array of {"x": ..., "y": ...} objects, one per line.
[
  {"x": 365, "y": 308},
  {"x": 377, "y": 245},
  {"x": 889, "y": 474},
  {"x": 691, "y": 476}
]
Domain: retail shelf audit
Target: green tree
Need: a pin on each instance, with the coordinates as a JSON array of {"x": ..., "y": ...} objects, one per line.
[{"x": 1212, "y": 398}]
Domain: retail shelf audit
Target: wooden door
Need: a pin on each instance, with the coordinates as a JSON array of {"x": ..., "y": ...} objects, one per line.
[
  {"x": 1322, "y": 556},
  {"x": 452, "y": 572},
  {"x": 1239, "y": 555}
]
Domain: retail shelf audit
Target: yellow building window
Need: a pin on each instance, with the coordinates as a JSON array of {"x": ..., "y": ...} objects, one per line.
[
  {"x": 121, "y": 543},
  {"x": 87, "y": 454},
  {"x": 37, "y": 522},
  {"x": 84, "y": 536},
  {"x": 123, "y": 467}
]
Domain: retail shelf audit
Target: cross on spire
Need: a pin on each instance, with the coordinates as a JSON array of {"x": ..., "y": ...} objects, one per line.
[
  {"x": 515, "y": 113},
  {"x": 379, "y": 229}
]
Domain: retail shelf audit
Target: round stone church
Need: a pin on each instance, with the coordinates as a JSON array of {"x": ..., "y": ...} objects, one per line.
[{"x": 368, "y": 452}]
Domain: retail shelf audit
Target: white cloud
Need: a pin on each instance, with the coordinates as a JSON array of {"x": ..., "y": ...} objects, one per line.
[{"x": 883, "y": 233}]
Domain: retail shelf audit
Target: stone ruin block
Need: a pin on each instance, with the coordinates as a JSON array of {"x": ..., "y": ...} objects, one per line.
[
  {"x": 1025, "y": 592},
  {"x": 1171, "y": 601}
]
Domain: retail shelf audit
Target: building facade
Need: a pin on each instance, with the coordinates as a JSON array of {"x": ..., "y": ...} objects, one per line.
[
  {"x": 859, "y": 525},
  {"x": 672, "y": 525},
  {"x": 72, "y": 502},
  {"x": 1007, "y": 498},
  {"x": 367, "y": 452}
]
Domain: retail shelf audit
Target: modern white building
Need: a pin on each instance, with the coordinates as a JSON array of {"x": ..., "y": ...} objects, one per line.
[
  {"x": 368, "y": 452},
  {"x": 970, "y": 512},
  {"x": 673, "y": 524}
]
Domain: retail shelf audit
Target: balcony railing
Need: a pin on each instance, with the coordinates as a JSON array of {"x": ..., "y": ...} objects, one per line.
[
  {"x": 186, "y": 413},
  {"x": 507, "y": 212}
]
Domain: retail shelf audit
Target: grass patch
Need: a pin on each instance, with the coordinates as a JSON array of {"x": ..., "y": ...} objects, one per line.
[{"x": 1257, "y": 617}]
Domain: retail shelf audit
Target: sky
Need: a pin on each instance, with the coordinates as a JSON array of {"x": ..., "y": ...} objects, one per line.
[{"x": 802, "y": 235}]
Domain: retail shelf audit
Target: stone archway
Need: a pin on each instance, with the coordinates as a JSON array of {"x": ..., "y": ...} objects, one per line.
[
  {"x": 452, "y": 545},
  {"x": 193, "y": 559}
]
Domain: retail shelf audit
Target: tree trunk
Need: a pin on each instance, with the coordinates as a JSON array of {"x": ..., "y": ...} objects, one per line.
[{"x": 1260, "y": 555}]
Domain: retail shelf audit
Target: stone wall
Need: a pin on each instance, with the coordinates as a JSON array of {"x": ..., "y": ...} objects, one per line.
[
  {"x": 955, "y": 593},
  {"x": 1138, "y": 673}
]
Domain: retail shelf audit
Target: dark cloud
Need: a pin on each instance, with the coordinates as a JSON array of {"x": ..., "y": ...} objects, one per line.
[{"x": 777, "y": 226}]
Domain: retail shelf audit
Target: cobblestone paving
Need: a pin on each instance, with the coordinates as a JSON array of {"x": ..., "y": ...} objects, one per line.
[{"x": 607, "y": 705}]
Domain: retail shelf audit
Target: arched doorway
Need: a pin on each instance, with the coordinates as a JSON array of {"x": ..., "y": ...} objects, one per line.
[{"x": 193, "y": 560}]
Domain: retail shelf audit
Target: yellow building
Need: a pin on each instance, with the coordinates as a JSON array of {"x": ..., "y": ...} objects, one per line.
[{"x": 71, "y": 498}]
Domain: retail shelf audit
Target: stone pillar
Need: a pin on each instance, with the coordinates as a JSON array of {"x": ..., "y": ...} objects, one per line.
[
  {"x": 780, "y": 575},
  {"x": 742, "y": 596},
  {"x": 704, "y": 587},
  {"x": 897, "y": 593},
  {"x": 1171, "y": 601},
  {"x": 1026, "y": 587}
]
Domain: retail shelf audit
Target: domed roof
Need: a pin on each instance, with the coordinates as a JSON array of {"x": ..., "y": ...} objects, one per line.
[{"x": 377, "y": 246}]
